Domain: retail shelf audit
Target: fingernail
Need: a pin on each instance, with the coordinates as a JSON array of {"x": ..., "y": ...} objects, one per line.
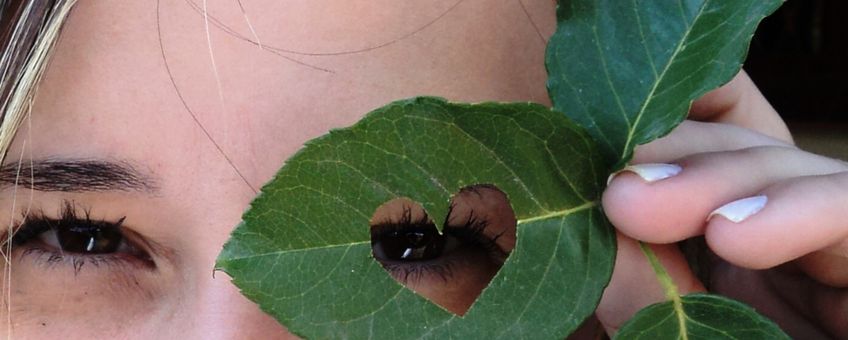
[
  {"x": 650, "y": 172},
  {"x": 738, "y": 211}
]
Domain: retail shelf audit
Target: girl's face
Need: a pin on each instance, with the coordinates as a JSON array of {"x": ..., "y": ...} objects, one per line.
[{"x": 152, "y": 117}]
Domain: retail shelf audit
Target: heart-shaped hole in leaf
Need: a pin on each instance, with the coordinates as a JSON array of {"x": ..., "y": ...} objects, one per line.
[{"x": 453, "y": 267}]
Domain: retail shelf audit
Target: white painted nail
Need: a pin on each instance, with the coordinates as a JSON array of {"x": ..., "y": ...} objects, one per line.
[
  {"x": 650, "y": 172},
  {"x": 739, "y": 210}
]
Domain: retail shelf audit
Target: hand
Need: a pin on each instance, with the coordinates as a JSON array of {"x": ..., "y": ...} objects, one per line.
[{"x": 737, "y": 148}]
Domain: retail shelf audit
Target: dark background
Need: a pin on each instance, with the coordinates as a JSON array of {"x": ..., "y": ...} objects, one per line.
[{"x": 799, "y": 60}]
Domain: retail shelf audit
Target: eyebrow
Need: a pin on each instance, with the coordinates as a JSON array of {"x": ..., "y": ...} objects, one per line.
[{"x": 75, "y": 175}]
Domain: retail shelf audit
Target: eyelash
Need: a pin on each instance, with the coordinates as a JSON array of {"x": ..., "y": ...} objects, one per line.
[
  {"x": 471, "y": 233},
  {"x": 33, "y": 227}
]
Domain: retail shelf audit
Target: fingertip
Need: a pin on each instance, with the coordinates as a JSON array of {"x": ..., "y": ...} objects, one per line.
[
  {"x": 617, "y": 201},
  {"x": 732, "y": 232},
  {"x": 726, "y": 239},
  {"x": 635, "y": 208},
  {"x": 801, "y": 216}
]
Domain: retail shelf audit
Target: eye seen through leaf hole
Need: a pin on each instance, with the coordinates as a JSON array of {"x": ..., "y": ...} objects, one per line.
[
  {"x": 453, "y": 267},
  {"x": 408, "y": 240}
]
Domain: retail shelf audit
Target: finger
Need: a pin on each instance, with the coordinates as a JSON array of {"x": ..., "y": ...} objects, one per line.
[
  {"x": 795, "y": 217},
  {"x": 740, "y": 103},
  {"x": 710, "y": 137},
  {"x": 674, "y": 205},
  {"x": 634, "y": 286},
  {"x": 828, "y": 266}
]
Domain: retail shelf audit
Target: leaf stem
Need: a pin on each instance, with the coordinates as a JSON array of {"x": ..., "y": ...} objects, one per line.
[{"x": 668, "y": 285}]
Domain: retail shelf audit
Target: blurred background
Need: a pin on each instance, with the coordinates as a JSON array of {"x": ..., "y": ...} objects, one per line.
[{"x": 799, "y": 60}]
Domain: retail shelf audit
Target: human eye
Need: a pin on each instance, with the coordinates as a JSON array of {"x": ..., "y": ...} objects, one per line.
[
  {"x": 68, "y": 264},
  {"x": 75, "y": 239},
  {"x": 410, "y": 249},
  {"x": 449, "y": 268}
]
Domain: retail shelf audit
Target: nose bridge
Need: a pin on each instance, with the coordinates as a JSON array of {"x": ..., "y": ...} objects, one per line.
[{"x": 221, "y": 312}]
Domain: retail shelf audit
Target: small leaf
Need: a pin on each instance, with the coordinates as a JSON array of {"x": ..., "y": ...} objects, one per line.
[
  {"x": 701, "y": 316},
  {"x": 303, "y": 250},
  {"x": 628, "y": 70}
]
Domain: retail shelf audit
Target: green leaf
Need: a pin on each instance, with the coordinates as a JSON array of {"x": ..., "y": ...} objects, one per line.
[
  {"x": 303, "y": 250},
  {"x": 628, "y": 70},
  {"x": 701, "y": 316}
]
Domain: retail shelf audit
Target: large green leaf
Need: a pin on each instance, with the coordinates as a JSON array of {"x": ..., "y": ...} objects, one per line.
[
  {"x": 303, "y": 250},
  {"x": 700, "y": 316},
  {"x": 628, "y": 70}
]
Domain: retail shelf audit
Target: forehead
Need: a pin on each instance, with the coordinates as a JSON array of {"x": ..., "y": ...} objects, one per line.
[
  {"x": 133, "y": 79},
  {"x": 155, "y": 81}
]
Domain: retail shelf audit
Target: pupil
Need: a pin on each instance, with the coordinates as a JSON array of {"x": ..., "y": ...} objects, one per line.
[
  {"x": 418, "y": 244},
  {"x": 89, "y": 239},
  {"x": 415, "y": 238}
]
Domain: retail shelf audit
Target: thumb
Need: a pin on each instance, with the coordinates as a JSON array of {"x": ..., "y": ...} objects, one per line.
[{"x": 635, "y": 286}]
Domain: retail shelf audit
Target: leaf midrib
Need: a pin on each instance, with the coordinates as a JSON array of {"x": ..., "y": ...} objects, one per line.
[
  {"x": 649, "y": 97},
  {"x": 551, "y": 215},
  {"x": 559, "y": 213}
]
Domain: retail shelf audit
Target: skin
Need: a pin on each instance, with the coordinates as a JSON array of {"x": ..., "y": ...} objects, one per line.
[{"x": 108, "y": 95}]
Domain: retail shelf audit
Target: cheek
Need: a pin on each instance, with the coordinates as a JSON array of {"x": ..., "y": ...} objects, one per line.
[
  {"x": 53, "y": 300},
  {"x": 457, "y": 290}
]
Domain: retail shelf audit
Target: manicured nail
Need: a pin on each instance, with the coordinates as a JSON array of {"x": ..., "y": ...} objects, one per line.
[
  {"x": 738, "y": 211},
  {"x": 650, "y": 172}
]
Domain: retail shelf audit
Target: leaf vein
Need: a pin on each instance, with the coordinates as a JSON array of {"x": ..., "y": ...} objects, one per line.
[
  {"x": 559, "y": 213},
  {"x": 648, "y": 98},
  {"x": 608, "y": 77}
]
